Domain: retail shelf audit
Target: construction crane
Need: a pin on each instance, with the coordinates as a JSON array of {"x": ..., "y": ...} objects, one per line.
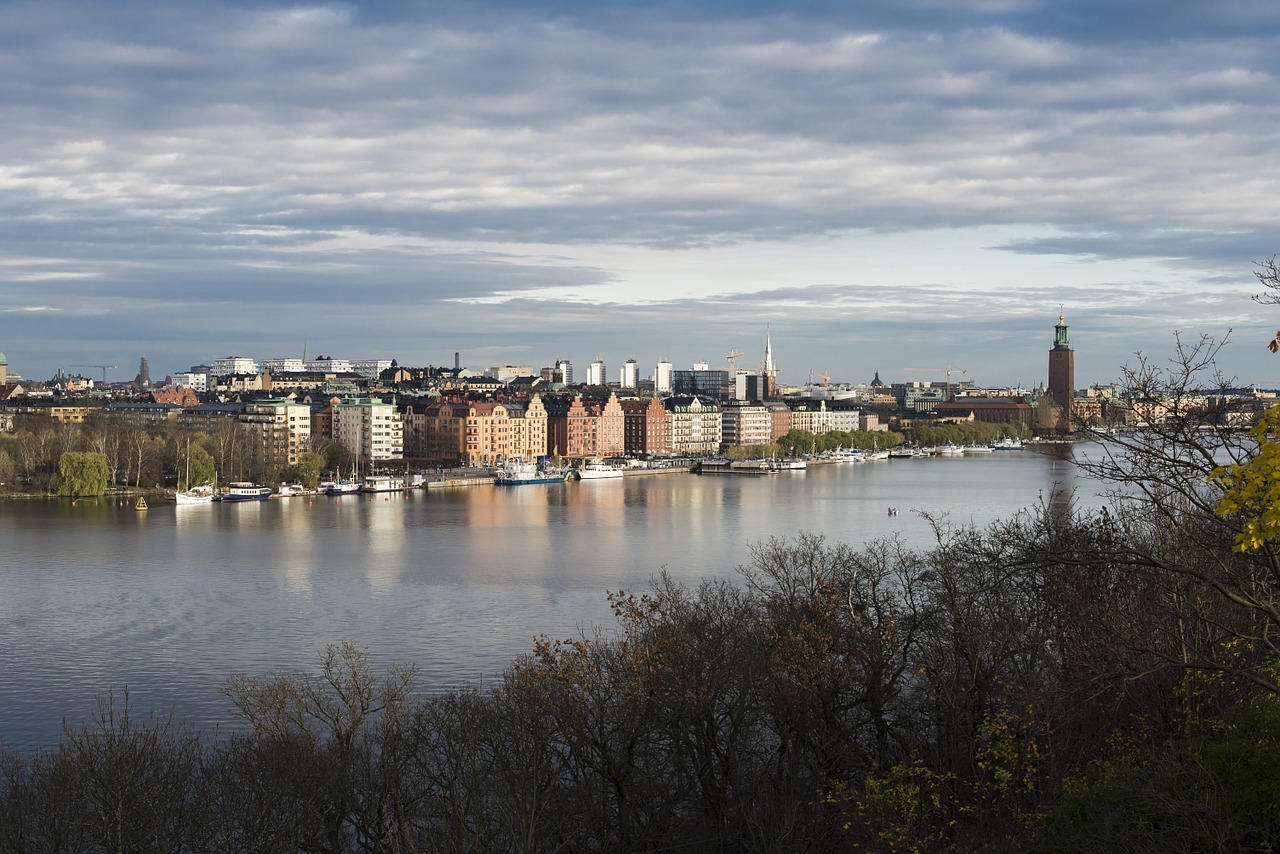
[
  {"x": 732, "y": 357},
  {"x": 948, "y": 370},
  {"x": 104, "y": 368},
  {"x": 826, "y": 380}
]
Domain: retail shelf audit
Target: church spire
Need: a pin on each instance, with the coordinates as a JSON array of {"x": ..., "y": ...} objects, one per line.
[{"x": 768, "y": 351}]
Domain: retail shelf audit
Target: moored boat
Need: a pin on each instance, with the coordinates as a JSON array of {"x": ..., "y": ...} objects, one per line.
[
  {"x": 244, "y": 491},
  {"x": 518, "y": 472},
  {"x": 202, "y": 494},
  {"x": 597, "y": 469}
]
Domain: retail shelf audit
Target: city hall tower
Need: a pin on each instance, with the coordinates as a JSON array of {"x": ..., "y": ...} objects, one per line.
[{"x": 1062, "y": 373}]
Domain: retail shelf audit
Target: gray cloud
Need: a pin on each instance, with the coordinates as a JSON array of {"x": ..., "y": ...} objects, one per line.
[{"x": 259, "y": 167}]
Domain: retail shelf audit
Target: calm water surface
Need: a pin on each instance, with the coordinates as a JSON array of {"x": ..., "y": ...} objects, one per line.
[{"x": 97, "y": 597}]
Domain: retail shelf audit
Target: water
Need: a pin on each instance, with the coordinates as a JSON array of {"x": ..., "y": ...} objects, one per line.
[{"x": 97, "y": 597}]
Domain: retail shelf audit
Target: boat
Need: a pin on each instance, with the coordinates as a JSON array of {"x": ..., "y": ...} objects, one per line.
[
  {"x": 875, "y": 455},
  {"x": 1008, "y": 443},
  {"x": 791, "y": 464},
  {"x": 292, "y": 490},
  {"x": 950, "y": 450},
  {"x": 202, "y": 494},
  {"x": 384, "y": 483},
  {"x": 597, "y": 469},
  {"x": 519, "y": 472},
  {"x": 976, "y": 449},
  {"x": 723, "y": 465},
  {"x": 244, "y": 491},
  {"x": 344, "y": 487},
  {"x": 847, "y": 455}
]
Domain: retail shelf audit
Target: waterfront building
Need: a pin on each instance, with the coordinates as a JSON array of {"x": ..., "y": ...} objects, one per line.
[
  {"x": 744, "y": 424},
  {"x": 527, "y": 425},
  {"x": 486, "y": 435},
  {"x": 990, "y": 410},
  {"x": 283, "y": 426},
  {"x": 646, "y": 426},
  {"x": 369, "y": 428},
  {"x": 610, "y": 427},
  {"x": 209, "y": 417},
  {"x": 695, "y": 424},
  {"x": 1062, "y": 374}
]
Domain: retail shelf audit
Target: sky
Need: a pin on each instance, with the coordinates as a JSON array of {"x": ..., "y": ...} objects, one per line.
[{"x": 875, "y": 187}]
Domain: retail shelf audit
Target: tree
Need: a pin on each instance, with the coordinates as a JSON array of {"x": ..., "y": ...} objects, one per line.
[
  {"x": 196, "y": 467},
  {"x": 82, "y": 474}
]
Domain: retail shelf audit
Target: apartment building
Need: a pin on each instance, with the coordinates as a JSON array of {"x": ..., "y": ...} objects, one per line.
[{"x": 369, "y": 428}]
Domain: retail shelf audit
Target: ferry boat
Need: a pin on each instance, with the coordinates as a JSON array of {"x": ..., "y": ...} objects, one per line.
[
  {"x": 597, "y": 469},
  {"x": 519, "y": 472},
  {"x": 243, "y": 491}
]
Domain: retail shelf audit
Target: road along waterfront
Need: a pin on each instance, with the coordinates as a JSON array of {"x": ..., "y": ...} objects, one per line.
[{"x": 98, "y": 597}]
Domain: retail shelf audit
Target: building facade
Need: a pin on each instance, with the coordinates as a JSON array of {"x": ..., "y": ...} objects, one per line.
[{"x": 369, "y": 428}]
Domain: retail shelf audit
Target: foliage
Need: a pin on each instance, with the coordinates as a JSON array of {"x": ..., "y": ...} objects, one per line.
[
  {"x": 309, "y": 470},
  {"x": 199, "y": 463},
  {"x": 1252, "y": 487},
  {"x": 82, "y": 474}
]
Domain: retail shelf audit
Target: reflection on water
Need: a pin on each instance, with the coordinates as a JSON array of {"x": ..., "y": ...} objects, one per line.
[{"x": 168, "y": 602}]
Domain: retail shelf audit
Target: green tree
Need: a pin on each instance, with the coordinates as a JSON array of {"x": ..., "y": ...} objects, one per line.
[
  {"x": 196, "y": 467},
  {"x": 82, "y": 473},
  {"x": 309, "y": 469}
]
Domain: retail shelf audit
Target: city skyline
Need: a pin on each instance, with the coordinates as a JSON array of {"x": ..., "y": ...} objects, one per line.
[{"x": 917, "y": 186}]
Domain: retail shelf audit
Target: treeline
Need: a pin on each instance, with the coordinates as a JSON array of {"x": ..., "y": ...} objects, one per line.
[
  {"x": 32, "y": 457},
  {"x": 1043, "y": 683}
]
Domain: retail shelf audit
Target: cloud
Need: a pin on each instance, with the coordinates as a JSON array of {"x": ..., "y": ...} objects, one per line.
[{"x": 478, "y": 169}]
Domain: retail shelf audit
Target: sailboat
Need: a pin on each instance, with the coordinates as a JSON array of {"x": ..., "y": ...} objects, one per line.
[
  {"x": 202, "y": 494},
  {"x": 344, "y": 487}
]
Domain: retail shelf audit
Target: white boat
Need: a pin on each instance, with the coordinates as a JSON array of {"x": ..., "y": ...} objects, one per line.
[
  {"x": 518, "y": 472},
  {"x": 950, "y": 450},
  {"x": 847, "y": 455},
  {"x": 597, "y": 469},
  {"x": 242, "y": 491},
  {"x": 292, "y": 490},
  {"x": 384, "y": 483},
  {"x": 791, "y": 464},
  {"x": 1008, "y": 443},
  {"x": 202, "y": 494},
  {"x": 976, "y": 449},
  {"x": 876, "y": 455}
]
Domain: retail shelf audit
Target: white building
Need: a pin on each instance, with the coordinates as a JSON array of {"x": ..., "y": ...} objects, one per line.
[
  {"x": 193, "y": 381},
  {"x": 663, "y": 376},
  {"x": 234, "y": 365},
  {"x": 283, "y": 366},
  {"x": 284, "y": 426},
  {"x": 630, "y": 376},
  {"x": 596, "y": 373},
  {"x": 695, "y": 425},
  {"x": 369, "y": 368},
  {"x": 329, "y": 365},
  {"x": 369, "y": 428}
]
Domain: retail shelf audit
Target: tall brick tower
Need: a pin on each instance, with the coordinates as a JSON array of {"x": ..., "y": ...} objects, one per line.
[{"x": 1062, "y": 373}]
